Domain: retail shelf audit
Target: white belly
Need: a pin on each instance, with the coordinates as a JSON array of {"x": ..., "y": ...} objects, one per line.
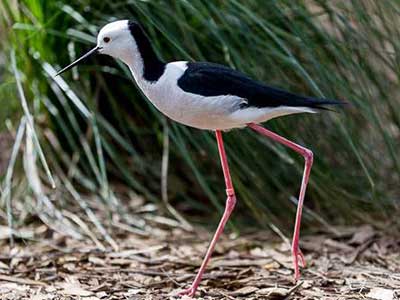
[{"x": 195, "y": 111}]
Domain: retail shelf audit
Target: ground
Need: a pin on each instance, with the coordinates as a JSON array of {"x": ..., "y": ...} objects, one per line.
[{"x": 345, "y": 263}]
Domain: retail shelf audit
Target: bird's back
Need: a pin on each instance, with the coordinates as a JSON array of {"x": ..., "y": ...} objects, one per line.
[
  {"x": 211, "y": 96},
  {"x": 209, "y": 79}
]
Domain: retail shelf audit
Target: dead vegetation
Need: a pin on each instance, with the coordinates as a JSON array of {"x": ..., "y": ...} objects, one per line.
[{"x": 353, "y": 263}]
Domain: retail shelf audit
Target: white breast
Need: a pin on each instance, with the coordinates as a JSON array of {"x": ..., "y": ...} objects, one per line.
[{"x": 187, "y": 108}]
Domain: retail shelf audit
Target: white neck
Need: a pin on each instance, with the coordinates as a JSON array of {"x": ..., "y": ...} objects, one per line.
[{"x": 134, "y": 61}]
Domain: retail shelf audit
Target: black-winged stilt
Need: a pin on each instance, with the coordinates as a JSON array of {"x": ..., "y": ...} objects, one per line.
[{"x": 212, "y": 97}]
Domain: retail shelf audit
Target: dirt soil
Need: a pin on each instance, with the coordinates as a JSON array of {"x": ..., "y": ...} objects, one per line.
[{"x": 347, "y": 263}]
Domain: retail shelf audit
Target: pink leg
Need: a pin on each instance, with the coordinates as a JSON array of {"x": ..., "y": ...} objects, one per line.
[
  {"x": 230, "y": 204},
  {"x": 308, "y": 156}
]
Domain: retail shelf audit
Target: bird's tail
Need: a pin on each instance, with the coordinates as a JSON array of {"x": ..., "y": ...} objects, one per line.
[{"x": 325, "y": 104}]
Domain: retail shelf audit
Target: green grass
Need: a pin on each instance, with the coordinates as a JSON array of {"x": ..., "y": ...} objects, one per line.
[{"x": 108, "y": 134}]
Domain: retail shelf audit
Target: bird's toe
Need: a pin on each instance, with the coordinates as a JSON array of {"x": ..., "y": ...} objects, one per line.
[
  {"x": 297, "y": 255},
  {"x": 189, "y": 292}
]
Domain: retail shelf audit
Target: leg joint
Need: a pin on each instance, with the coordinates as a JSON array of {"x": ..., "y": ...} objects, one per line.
[
  {"x": 230, "y": 192},
  {"x": 230, "y": 203},
  {"x": 308, "y": 155}
]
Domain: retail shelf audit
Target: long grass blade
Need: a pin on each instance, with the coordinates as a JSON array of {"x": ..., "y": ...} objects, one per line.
[{"x": 29, "y": 119}]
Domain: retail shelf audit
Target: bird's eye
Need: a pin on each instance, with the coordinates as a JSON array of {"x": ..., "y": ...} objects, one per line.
[{"x": 106, "y": 39}]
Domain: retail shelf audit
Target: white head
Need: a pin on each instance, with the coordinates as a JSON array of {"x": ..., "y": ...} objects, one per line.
[{"x": 115, "y": 39}]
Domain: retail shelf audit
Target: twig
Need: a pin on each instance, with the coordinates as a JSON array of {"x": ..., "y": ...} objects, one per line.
[
  {"x": 20, "y": 280},
  {"x": 129, "y": 228},
  {"x": 170, "y": 277},
  {"x": 164, "y": 181},
  {"x": 293, "y": 289},
  {"x": 360, "y": 249},
  {"x": 226, "y": 295},
  {"x": 280, "y": 234},
  {"x": 317, "y": 217}
]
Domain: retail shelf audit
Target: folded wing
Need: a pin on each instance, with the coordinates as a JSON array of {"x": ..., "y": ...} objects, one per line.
[{"x": 208, "y": 79}]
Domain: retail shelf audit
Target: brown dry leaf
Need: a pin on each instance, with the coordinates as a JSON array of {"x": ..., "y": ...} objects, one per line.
[
  {"x": 120, "y": 262},
  {"x": 185, "y": 297},
  {"x": 258, "y": 252},
  {"x": 74, "y": 289},
  {"x": 23, "y": 233},
  {"x": 274, "y": 293},
  {"x": 132, "y": 252},
  {"x": 244, "y": 291},
  {"x": 338, "y": 245},
  {"x": 381, "y": 294},
  {"x": 101, "y": 294},
  {"x": 50, "y": 289},
  {"x": 184, "y": 251},
  {"x": 97, "y": 261},
  {"x": 20, "y": 280},
  {"x": 3, "y": 266},
  {"x": 363, "y": 235},
  {"x": 272, "y": 266},
  {"x": 132, "y": 292},
  {"x": 71, "y": 267},
  {"x": 6, "y": 287},
  {"x": 39, "y": 296},
  {"x": 308, "y": 284},
  {"x": 142, "y": 279},
  {"x": 67, "y": 259}
]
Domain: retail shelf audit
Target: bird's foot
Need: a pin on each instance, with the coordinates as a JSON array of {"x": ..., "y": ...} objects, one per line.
[
  {"x": 188, "y": 292},
  {"x": 297, "y": 254}
]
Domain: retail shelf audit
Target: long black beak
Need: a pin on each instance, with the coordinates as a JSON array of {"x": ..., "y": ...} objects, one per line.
[{"x": 91, "y": 52}]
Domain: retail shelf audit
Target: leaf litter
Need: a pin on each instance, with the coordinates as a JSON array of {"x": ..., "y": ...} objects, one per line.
[{"x": 361, "y": 263}]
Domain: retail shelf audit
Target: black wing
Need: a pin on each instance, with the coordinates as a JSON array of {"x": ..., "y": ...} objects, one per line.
[{"x": 208, "y": 79}]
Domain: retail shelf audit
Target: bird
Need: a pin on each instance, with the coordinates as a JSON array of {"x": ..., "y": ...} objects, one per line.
[{"x": 212, "y": 97}]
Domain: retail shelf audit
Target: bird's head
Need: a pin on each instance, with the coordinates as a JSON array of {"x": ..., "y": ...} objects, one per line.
[{"x": 115, "y": 39}]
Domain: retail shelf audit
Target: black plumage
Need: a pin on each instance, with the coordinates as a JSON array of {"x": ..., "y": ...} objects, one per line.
[
  {"x": 209, "y": 79},
  {"x": 153, "y": 66}
]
